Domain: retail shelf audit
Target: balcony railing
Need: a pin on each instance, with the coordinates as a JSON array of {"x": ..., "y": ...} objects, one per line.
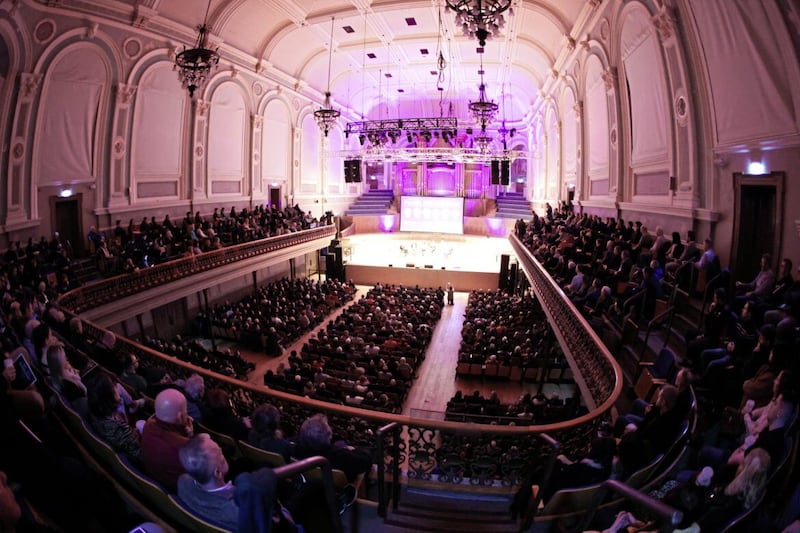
[
  {"x": 448, "y": 453},
  {"x": 96, "y": 294}
]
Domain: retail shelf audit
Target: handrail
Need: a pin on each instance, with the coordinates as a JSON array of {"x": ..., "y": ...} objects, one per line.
[
  {"x": 425, "y": 442},
  {"x": 650, "y": 323},
  {"x": 304, "y": 465},
  {"x": 93, "y": 295},
  {"x": 657, "y": 507},
  {"x": 555, "y": 449},
  {"x": 597, "y": 372},
  {"x": 395, "y": 429}
]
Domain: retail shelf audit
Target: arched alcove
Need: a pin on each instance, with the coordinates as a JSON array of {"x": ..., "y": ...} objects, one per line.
[
  {"x": 158, "y": 138},
  {"x": 227, "y": 142}
]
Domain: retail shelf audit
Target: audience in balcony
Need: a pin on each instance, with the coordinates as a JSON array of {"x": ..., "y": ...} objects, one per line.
[
  {"x": 163, "y": 435},
  {"x": 265, "y": 432},
  {"x": 219, "y": 416},
  {"x": 152, "y": 243},
  {"x": 315, "y": 438},
  {"x": 760, "y": 289},
  {"x": 203, "y": 488},
  {"x": 65, "y": 379},
  {"x": 108, "y": 417}
]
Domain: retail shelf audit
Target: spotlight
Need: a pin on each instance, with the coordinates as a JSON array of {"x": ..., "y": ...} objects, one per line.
[
  {"x": 361, "y": 139},
  {"x": 409, "y": 138}
]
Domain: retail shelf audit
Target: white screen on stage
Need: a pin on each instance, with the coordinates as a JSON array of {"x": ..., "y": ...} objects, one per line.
[{"x": 430, "y": 214}]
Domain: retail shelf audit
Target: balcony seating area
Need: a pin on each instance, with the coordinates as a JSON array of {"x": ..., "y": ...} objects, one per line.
[{"x": 372, "y": 202}]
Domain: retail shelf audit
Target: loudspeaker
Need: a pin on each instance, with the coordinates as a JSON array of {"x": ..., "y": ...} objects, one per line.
[
  {"x": 495, "y": 172},
  {"x": 504, "y": 171},
  {"x": 409, "y": 265},
  {"x": 428, "y": 266},
  {"x": 503, "y": 281},
  {"x": 334, "y": 267},
  {"x": 348, "y": 171},
  {"x": 356, "y": 170},
  {"x": 512, "y": 276}
]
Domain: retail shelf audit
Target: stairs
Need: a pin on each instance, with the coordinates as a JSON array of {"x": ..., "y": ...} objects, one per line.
[
  {"x": 513, "y": 205},
  {"x": 373, "y": 202},
  {"x": 85, "y": 269},
  {"x": 436, "y": 511}
]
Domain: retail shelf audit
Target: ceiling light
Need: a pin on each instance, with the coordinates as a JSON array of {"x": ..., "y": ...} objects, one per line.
[
  {"x": 480, "y": 19},
  {"x": 326, "y": 116},
  {"x": 195, "y": 64}
]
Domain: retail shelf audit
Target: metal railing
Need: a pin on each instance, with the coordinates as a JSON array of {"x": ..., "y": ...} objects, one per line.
[
  {"x": 486, "y": 456},
  {"x": 96, "y": 294}
]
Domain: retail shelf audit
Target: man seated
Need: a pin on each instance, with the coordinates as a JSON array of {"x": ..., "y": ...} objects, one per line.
[
  {"x": 761, "y": 287},
  {"x": 164, "y": 434},
  {"x": 315, "y": 439},
  {"x": 203, "y": 487}
]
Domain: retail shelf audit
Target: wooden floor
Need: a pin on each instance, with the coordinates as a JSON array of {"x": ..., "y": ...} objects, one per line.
[{"x": 436, "y": 380}]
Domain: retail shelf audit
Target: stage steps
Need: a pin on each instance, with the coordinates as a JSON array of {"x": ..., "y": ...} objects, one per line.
[
  {"x": 512, "y": 205},
  {"x": 436, "y": 511},
  {"x": 373, "y": 202}
]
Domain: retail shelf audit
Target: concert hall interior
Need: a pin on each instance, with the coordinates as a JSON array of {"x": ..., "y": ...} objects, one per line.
[{"x": 536, "y": 261}]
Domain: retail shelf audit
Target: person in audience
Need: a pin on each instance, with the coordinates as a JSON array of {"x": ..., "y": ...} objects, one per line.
[
  {"x": 66, "y": 379},
  {"x": 130, "y": 375},
  {"x": 660, "y": 423},
  {"x": 194, "y": 388},
  {"x": 203, "y": 487},
  {"x": 759, "y": 387},
  {"x": 163, "y": 435},
  {"x": 761, "y": 287},
  {"x": 314, "y": 438},
  {"x": 266, "y": 433},
  {"x": 108, "y": 420},
  {"x": 707, "y": 256},
  {"x": 219, "y": 416},
  {"x": 742, "y": 493}
]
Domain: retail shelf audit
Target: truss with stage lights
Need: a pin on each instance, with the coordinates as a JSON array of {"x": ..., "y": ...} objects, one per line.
[
  {"x": 430, "y": 154},
  {"x": 383, "y": 132}
]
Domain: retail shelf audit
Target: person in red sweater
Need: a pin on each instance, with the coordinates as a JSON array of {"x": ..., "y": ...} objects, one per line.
[{"x": 164, "y": 434}]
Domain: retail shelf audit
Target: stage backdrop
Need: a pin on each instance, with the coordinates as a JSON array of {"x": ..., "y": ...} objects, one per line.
[{"x": 429, "y": 214}]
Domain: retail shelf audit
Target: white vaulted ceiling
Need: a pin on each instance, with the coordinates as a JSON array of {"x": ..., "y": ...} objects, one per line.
[{"x": 379, "y": 69}]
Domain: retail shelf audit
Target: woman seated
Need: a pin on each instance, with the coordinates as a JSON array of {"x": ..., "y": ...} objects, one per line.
[
  {"x": 266, "y": 433},
  {"x": 65, "y": 379},
  {"x": 218, "y": 415},
  {"x": 109, "y": 420}
]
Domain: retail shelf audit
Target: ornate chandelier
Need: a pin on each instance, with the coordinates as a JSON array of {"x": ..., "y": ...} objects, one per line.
[
  {"x": 195, "y": 64},
  {"x": 480, "y": 19},
  {"x": 483, "y": 110},
  {"x": 326, "y": 116}
]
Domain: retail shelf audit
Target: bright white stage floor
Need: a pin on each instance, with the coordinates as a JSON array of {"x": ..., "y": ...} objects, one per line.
[{"x": 465, "y": 253}]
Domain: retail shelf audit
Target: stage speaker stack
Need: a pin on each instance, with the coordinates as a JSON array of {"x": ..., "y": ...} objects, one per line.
[
  {"x": 512, "y": 275},
  {"x": 505, "y": 167},
  {"x": 503, "y": 281},
  {"x": 352, "y": 170},
  {"x": 495, "y": 172},
  {"x": 334, "y": 266}
]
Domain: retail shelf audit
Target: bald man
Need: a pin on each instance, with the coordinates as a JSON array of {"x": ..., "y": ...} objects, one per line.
[{"x": 164, "y": 434}]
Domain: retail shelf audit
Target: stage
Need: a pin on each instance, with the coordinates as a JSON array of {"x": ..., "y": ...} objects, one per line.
[{"x": 469, "y": 262}]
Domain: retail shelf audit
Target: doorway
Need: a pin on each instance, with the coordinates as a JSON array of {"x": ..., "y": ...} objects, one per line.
[
  {"x": 275, "y": 197},
  {"x": 758, "y": 222},
  {"x": 66, "y": 220}
]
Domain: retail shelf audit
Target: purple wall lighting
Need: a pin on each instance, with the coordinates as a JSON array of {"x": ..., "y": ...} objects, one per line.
[
  {"x": 388, "y": 223},
  {"x": 495, "y": 227}
]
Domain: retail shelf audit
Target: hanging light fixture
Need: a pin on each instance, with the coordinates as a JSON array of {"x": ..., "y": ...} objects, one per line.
[
  {"x": 326, "y": 116},
  {"x": 480, "y": 19},
  {"x": 482, "y": 109},
  {"x": 195, "y": 64}
]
